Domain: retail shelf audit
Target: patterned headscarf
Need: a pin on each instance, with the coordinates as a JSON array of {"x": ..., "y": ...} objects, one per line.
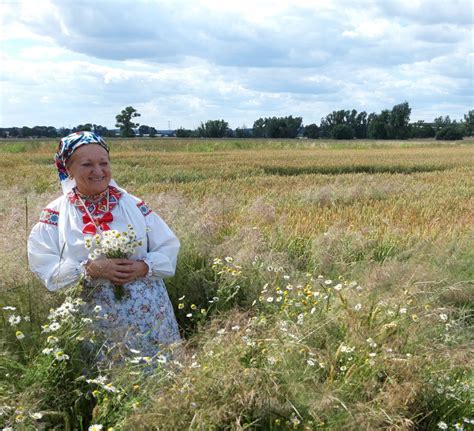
[{"x": 71, "y": 143}]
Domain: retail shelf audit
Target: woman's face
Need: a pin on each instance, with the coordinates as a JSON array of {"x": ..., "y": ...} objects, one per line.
[{"x": 89, "y": 165}]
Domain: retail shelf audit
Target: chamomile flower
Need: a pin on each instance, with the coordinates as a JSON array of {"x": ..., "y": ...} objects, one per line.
[
  {"x": 54, "y": 326},
  {"x": 14, "y": 320},
  {"x": 59, "y": 355}
]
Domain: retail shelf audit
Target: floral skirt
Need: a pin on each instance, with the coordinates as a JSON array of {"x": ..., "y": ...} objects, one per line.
[{"x": 143, "y": 320}]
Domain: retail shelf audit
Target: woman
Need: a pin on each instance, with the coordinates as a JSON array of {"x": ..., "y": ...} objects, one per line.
[{"x": 92, "y": 203}]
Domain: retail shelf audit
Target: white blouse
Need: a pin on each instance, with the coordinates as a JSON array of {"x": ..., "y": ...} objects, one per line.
[{"x": 56, "y": 250}]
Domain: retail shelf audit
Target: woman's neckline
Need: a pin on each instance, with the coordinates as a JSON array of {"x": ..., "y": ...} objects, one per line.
[{"x": 94, "y": 198}]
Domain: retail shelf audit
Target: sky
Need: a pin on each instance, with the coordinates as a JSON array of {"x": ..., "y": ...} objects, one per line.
[{"x": 183, "y": 62}]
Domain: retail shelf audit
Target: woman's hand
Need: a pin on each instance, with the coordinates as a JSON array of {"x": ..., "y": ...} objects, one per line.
[{"x": 118, "y": 271}]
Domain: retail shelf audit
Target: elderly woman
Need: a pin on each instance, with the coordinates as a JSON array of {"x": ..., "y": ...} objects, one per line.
[{"x": 92, "y": 203}]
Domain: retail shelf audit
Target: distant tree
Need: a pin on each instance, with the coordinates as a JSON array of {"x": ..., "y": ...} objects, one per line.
[
  {"x": 26, "y": 132},
  {"x": 152, "y": 132},
  {"x": 277, "y": 127},
  {"x": 452, "y": 132},
  {"x": 468, "y": 123},
  {"x": 358, "y": 122},
  {"x": 88, "y": 127},
  {"x": 44, "y": 131},
  {"x": 378, "y": 125},
  {"x": 124, "y": 121},
  {"x": 52, "y": 132},
  {"x": 311, "y": 131},
  {"x": 64, "y": 131},
  {"x": 242, "y": 132},
  {"x": 183, "y": 133},
  {"x": 102, "y": 130},
  {"x": 213, "y": 129},
  {"x": 360, "y": 125},
  {"x": 399, "y": 122},
  {"x": 441, "y": 122},
  {"x": 15, "y": 132},
  {"x": 143, "y": 130},
  {"x": 420, "y": 129},
  {"x": 342, "y": 131},
  {"x": 259, "y": 128}
]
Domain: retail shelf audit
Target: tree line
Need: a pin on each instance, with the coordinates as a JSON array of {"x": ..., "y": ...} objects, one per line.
[{"x": 343, "y": 124}]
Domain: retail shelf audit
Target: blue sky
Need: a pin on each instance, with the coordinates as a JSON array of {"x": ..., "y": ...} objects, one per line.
[{"x": 180, "y": 62}]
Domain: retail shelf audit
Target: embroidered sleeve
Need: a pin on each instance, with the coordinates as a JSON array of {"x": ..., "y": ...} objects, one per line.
[
  {"x": 49, "y": 216},
  {"x": 144, "y": 208}
]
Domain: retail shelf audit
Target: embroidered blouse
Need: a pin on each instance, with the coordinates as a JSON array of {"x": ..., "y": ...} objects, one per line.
[{"x": 56, "y": 249}]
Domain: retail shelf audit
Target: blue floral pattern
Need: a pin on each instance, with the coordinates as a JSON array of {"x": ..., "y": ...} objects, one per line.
[
  {"x": 49, "y": 216},
  {"x": 143, "y": 320}
]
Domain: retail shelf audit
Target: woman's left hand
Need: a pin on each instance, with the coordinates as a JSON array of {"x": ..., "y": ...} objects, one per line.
[{"x": 134, "y": 269}]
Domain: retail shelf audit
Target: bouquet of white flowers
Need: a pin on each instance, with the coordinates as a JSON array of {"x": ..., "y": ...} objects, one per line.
[{"x": 113, "y": 244}]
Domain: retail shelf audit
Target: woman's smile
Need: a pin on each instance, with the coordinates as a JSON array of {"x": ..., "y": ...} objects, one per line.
[{"x": 90, "y": 168}]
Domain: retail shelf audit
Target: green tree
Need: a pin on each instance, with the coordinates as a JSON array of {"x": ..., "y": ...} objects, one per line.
[
  {"x": 152, "y": 132},
  {"x": 452, "y": 132},
  {"x": 378, "y": 125},
  {"x": 242, "y": 132},
  {"x": 124, "y": 121},
  {"x": 360, "y": 125},
  {"x": 358, "y": 122},
  {"x": 441, "y": 122},
  {"x": 311, "y": 131},
  {"x": 213, "y": 129},
  {"x": 342, "y": 131},
  {"x": 64, "y": 131},
  {"x": 26, "y": 132},
  {"x": 143, "y": 130},
  {"x": 399, "y": 121},
  {"x": 277, "y": 127},
  {"x": 183, "y": 133},
  {"x": 468, "y": 123},
  {"x": 83, "y": 128},
  {"x": 420, "y": 129},
  {"x": 259, "y": 128},
  {"x": 102, "y": 130}
]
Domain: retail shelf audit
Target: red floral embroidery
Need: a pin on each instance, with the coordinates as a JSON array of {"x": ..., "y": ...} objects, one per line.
[
  {"x": 49, "y": 216},
  {"x": 144, "y": 208},
  {"x": 97, "y": 207}
]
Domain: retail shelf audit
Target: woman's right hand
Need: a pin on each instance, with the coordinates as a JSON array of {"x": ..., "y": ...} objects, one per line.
[{"x": 115, "y": 270}]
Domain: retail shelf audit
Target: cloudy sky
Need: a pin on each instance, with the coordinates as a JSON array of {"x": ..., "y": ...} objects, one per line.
[{"x": 180, "y": 62}]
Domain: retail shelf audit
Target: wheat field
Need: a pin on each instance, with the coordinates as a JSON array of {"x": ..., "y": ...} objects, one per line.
[{"x": 343, "y": 272}]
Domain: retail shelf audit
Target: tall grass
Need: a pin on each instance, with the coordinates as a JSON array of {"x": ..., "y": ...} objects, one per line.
[{"x": 327, "y": 286}]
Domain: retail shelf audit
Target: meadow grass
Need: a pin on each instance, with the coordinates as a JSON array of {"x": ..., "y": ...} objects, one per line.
[{"x": 345, "y": 301}]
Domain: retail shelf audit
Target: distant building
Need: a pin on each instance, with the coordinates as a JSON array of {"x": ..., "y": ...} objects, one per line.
[{"x": 166, "y": 133}]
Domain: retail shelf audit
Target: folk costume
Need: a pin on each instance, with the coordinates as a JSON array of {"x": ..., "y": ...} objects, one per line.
[{"x": 143, "y": 319}]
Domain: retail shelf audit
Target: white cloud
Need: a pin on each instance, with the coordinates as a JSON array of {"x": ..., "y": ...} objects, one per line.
[{"x": 188, "y": 61}]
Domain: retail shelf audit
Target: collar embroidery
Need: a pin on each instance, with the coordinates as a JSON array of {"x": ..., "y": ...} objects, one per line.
[{"x": 98, "y": 205}]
